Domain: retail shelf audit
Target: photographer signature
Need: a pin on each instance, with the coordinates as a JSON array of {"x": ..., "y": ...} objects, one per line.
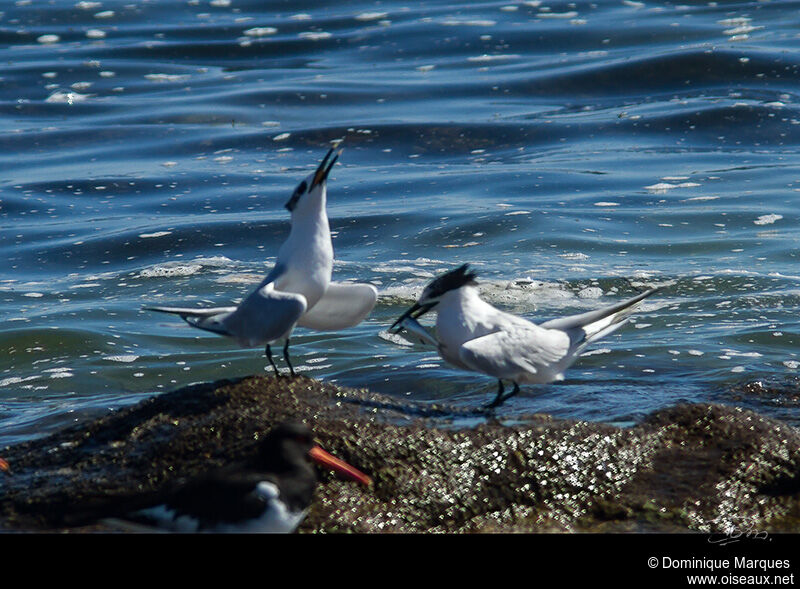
[{"x": 735, "y": 534}]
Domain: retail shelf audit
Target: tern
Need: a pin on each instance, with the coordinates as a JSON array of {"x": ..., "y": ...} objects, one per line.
[
  {"x": 473, "y": 335},
  {"x": 271, "y": 494},
  {"x": 298, "y": 291}
]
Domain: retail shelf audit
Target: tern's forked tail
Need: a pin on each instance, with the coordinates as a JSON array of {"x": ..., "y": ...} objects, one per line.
[
  {"x": 600, "y": 323},
  {"x": 207, "y": 319}
]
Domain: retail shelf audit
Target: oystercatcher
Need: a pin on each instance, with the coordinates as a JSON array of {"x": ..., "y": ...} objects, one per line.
[{"x": 271, "y": 496}]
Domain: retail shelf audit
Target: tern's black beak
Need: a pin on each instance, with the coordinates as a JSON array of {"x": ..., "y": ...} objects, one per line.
[
  {"x": 325, "y": 167},
  {"x": 419, "y": 309},
  {"x": 319, "y": 177}
]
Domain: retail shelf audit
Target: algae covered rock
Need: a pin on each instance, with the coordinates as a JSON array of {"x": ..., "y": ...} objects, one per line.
[{"x": 707, "y": 468}]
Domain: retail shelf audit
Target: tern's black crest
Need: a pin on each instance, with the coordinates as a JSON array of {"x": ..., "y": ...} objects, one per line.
[
  {"x": 452, "y": 280},
  {"x": 301, "y": 189}
]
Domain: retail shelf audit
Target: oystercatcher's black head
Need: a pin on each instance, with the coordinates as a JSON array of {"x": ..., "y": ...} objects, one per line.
[
  {"x": 455, "y": 279},
  {"x": 289, "y": 446},
  {"x": 314, "y": 181}
]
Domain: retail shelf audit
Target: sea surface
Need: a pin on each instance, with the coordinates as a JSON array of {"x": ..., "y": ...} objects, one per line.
[{"x": 573, "y": 152}]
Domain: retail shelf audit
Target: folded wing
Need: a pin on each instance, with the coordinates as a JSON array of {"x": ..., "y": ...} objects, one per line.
[
  {"x": 265, "y": 316},
  {"x": 342, "y": 305},
  {"x": 517, "y": 353}
]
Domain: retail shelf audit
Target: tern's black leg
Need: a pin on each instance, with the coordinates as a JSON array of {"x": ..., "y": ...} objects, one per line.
[
  {"x": 498, "y": 400},
  {"x": 286, "y": 356},
  {"x": 268, "y": 352},
  {"x": 511, "y": 394}
]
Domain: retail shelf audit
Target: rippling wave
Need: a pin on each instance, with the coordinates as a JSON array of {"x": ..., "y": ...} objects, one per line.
[{"x": 572, "y": 152}]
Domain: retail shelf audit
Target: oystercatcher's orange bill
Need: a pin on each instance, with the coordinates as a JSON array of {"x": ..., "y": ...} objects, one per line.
[
  {"x": 4, "y": 465},
  {"x": 323, "y": 458}
]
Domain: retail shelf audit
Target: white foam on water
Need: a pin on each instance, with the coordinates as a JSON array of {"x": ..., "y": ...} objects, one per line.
[
  {"x": 454, "y": 22},
  {"x": 121, "y": 358},
  {"x": 170, "y": 270},
  {"x": 16, "y": 380},
  {"x": 573, "y": 256},
  {"x": 486, "y": 58},
  {"x": 239, "y": 279},
  {"x": 260, "y": 31},
  {"x": 180, "y": 268},
  {"x": 368, "y": 16},
  {"x": 167, "y": 77},
  {"x": 767, "y": 219},
  {"x": 660, "y": 187},
  {"x": 60, "y": 97},
  {"x": 315, "y": 36},
  {"x": 570, "y": 14}
]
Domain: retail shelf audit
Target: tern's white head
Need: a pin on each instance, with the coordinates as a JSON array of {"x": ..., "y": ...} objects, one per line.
[
  {"x": 310, "y": 194},
  {"x": 438, "y": 288}
]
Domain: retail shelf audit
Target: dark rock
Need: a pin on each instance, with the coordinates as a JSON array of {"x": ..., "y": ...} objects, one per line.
[{"x": 703, "y": 468}]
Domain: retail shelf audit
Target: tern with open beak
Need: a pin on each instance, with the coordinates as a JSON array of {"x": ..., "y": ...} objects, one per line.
[{"x": 298, "y": 291}]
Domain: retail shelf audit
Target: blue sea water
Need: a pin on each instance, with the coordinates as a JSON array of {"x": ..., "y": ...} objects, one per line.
[{"x": 573, "y": 152}]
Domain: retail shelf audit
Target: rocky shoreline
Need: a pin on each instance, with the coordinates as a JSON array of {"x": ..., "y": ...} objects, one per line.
[{"x": 689, "y": 468}]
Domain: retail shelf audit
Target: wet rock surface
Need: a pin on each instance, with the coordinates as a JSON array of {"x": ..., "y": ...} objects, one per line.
[{"x": 706, "y": 468}]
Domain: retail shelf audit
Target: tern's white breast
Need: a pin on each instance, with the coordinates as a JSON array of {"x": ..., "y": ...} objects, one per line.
[{"x": 307, "y": 256}]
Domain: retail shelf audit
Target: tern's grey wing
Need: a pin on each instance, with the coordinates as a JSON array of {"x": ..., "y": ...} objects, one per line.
[
  {"x": 517, "y": 352},
  {"x": 232, "y": 321},
  {"x": 266, "y": 315},
  {"x": 342, "y": 305}
]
